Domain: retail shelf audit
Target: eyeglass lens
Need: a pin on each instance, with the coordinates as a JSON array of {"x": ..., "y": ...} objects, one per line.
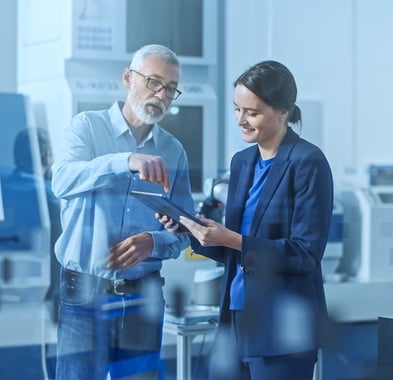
[{"x": 156, "y": 85}]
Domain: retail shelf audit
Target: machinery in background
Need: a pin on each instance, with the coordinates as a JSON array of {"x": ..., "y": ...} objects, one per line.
[
  {"x": 207, "y": 286},
  {"x": 93, "y": 43},
  {"x": 368, "y": 228},
  {"x": 216, "y": 192},
  {"x": 335, "y": 246},
  {"x": 24, "y": 220},
  {"x": 207, "y": 282}
]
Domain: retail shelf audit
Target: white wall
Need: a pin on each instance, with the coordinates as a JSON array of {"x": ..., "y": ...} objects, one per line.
[
  {"x": 8, "y": 45},
  {"x": 340, "y": 52}
]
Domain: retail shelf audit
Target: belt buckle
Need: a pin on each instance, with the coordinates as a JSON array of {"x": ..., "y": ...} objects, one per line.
[{"x": 116, "y": 285}]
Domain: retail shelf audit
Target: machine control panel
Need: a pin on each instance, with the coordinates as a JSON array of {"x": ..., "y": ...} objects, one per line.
[{"x": 381, "y": 175}]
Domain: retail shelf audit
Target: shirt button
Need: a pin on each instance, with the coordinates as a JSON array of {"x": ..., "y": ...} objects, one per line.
[{"x": 128, "y": 209}]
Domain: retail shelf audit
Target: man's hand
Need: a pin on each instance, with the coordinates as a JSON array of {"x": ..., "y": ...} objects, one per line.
[
  {"x": 168, "y": 223},
  {"x": 151, "y": 168},
  {"x": 130, "y": 251}
]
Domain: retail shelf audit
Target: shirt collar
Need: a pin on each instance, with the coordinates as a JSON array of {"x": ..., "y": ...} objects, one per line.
[{"x": 120, "y": 125}]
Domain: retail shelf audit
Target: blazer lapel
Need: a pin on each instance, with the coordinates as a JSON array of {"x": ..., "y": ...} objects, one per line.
[{"x": 244, "y": 175}]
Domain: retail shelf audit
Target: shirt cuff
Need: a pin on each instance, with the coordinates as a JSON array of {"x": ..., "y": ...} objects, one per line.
[{"x": 120, "y": 163}]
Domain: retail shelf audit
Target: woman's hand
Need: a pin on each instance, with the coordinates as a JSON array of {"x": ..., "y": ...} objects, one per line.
[{"x": 212, "y": 233}]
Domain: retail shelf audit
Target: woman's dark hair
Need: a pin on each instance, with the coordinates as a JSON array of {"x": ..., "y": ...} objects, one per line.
[{"x": 273, "y": 83}]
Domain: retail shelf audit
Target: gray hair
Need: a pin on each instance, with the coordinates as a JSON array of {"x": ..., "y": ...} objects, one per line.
[{"x": 159, "y": 51}]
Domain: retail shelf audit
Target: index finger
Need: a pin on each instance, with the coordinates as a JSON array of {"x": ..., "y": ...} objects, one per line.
[
  {"x": 188, "y": 222},
  {"x": 166, "y": 182}
]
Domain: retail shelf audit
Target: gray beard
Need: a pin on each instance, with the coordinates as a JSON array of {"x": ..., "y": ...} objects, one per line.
[{"x": 138, "y": 108}]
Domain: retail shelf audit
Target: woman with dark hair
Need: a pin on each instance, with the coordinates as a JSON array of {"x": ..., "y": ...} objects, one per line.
[{"x": 277, "y": 219}]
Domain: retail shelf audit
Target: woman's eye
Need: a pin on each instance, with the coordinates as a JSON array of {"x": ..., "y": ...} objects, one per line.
[{"x": 253, "y": 114}]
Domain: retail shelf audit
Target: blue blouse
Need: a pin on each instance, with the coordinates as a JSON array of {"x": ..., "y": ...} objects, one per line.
[{"x": 260, "y": 174}]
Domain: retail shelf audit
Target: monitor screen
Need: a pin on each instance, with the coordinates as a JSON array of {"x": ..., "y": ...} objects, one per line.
[
  {"x": 186, "y": 123},
  {"x": 173, "y": 23},
  {"x": 22, "y": 193},
  {"x": 22, "y": 214}
]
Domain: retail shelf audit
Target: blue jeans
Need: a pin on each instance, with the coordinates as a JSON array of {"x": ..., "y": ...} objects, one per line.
[{"x": 100, "y": 333}]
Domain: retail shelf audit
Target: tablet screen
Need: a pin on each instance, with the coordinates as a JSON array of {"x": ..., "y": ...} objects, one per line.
[{"x": 164, "y": 206}]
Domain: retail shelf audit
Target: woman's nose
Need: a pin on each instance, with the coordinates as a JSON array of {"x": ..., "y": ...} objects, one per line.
[{"x": 240, "y": 120}]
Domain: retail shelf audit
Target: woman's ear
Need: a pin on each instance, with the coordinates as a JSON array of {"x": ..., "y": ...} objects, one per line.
[{"x": 283, "y": 115}]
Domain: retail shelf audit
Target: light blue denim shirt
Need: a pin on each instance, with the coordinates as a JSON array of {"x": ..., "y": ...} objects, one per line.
[{"x": 93, "y": 181}]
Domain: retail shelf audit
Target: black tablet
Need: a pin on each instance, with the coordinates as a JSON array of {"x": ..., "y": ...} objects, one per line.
[{"x": 164, "y": 206}]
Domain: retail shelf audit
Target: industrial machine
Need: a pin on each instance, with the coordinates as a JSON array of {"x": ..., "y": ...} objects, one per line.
[
  {"x": 215, "y": 190},
  {"x": 24, "y": 217},
  {"x": 335, "y": 246},
  {"x": 368, "y": 228},
  {"x": 95, "y": 41}
]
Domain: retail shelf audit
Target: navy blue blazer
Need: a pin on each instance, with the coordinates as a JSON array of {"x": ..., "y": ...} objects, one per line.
[{"x": 281, "y": 258}]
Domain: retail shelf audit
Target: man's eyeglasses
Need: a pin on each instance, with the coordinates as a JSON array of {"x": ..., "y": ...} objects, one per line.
[{"x": 156, "y": 85}]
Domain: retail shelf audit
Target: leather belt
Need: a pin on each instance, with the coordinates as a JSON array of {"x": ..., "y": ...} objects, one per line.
[{"x": 119, "y": 286}]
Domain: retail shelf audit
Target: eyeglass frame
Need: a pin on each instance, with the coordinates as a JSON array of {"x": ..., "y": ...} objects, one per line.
[{"x": 148, "y": 79}]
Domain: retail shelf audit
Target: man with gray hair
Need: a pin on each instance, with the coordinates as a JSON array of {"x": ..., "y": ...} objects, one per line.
[{"x": 112, "y": 246}]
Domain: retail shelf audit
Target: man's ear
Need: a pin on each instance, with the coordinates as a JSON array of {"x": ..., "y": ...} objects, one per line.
[{"x": 126, "y": 77}]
